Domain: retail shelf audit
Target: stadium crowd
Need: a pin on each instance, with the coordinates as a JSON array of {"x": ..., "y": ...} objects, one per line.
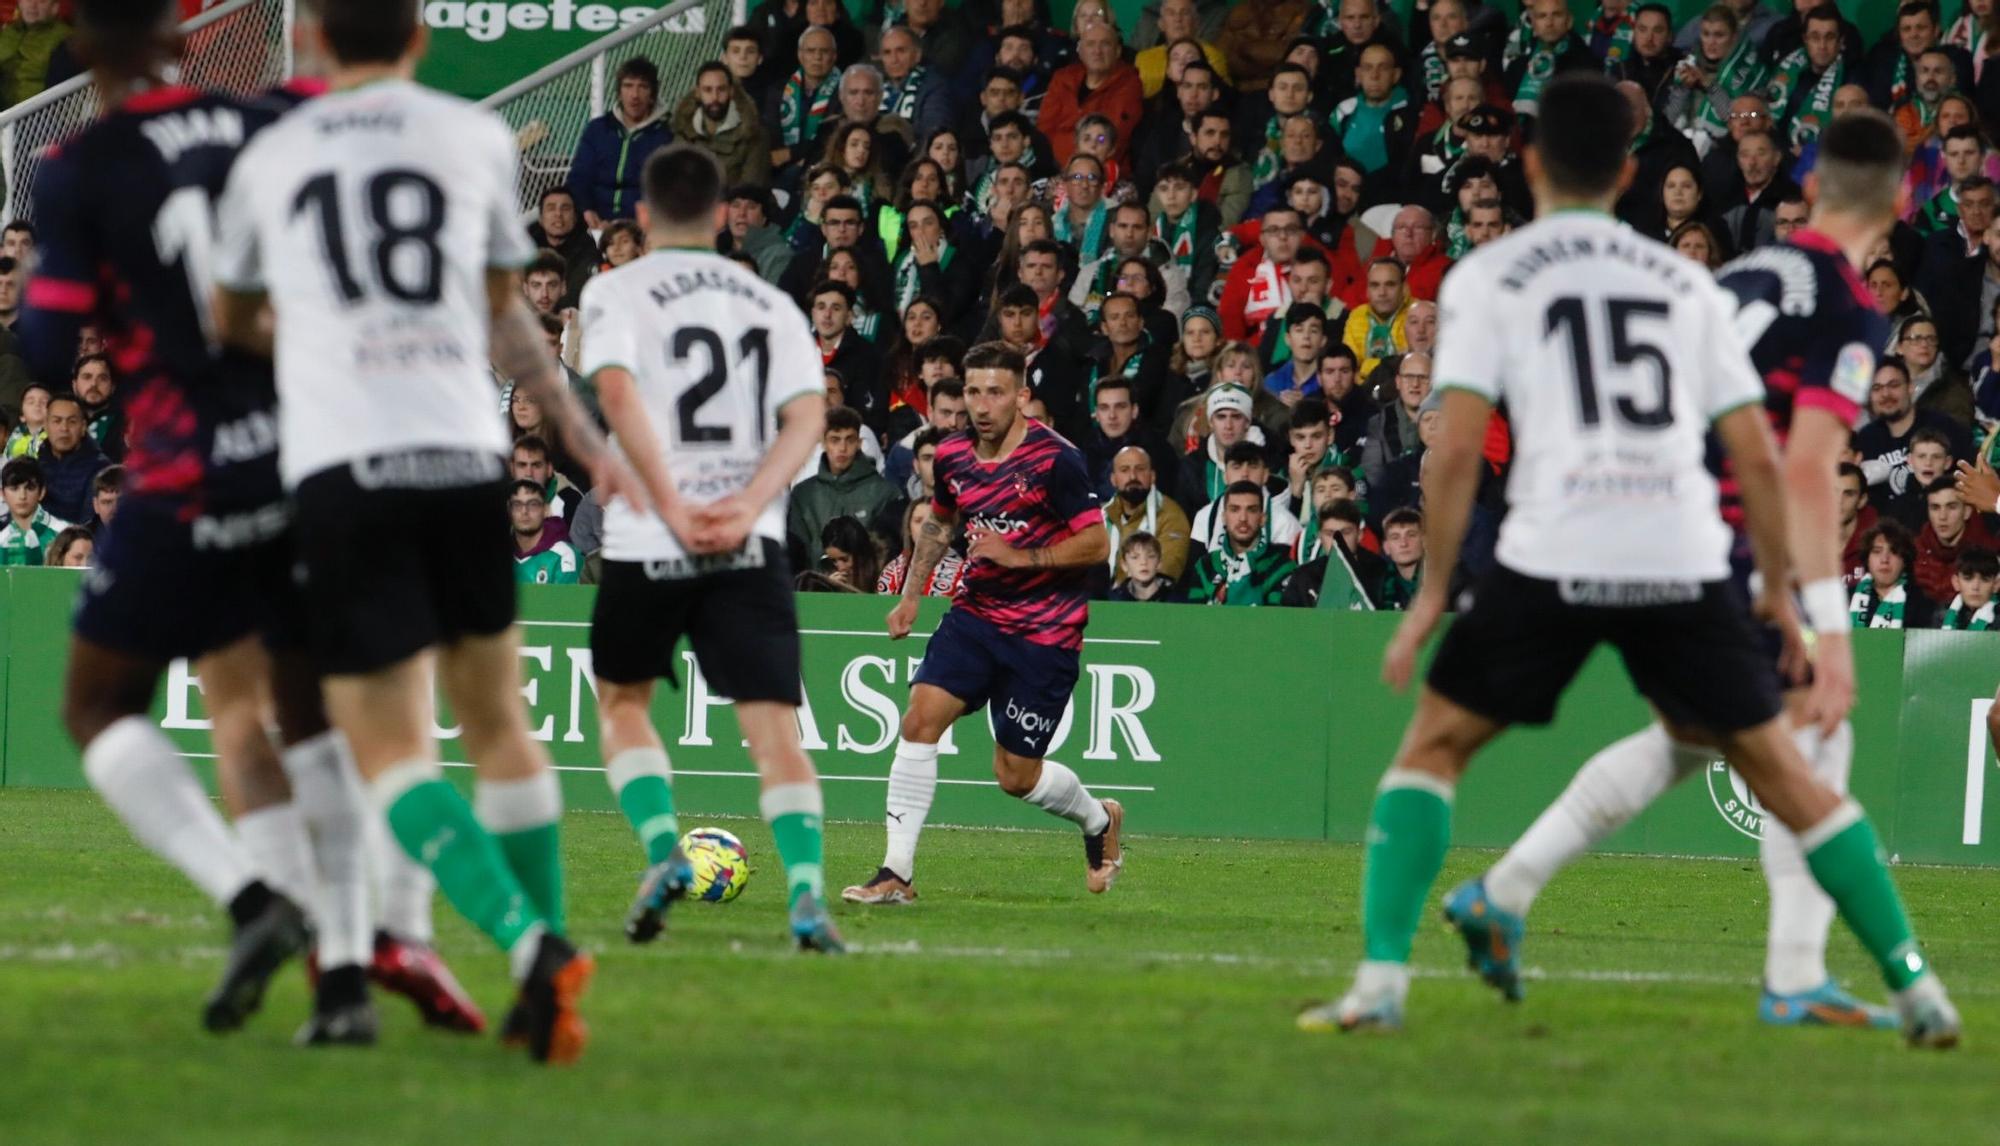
[{"x": 1220, "y": 246}]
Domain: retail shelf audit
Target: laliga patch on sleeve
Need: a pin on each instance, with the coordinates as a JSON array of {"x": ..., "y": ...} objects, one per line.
[{"x": 1853, "y": 372}]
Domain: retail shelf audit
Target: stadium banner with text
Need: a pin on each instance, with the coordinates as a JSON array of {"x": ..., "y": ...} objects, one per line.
[
  {"x": 1211, "y": 722},
  {"x": 480, "y": 46}
]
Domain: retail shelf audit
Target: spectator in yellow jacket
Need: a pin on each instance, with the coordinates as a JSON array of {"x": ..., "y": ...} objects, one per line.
[{"x": 1379, "y": 329}]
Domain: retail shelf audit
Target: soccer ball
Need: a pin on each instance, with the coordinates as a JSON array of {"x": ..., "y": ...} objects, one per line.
[{"x": 721, "y": 864}]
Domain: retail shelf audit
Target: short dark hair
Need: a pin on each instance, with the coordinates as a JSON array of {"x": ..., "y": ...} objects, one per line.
[
  {"x": 546, "y": 262},
  {"x": 1978, "y": 563},
  {"x": 1017, "y": 32},
  {"x": 1932, "y": 435},
  {"x": 744, "y": 32},
  {"x": 831, "y": 286},
  {"x": 842, "y": 418},
  {"x": 84, "y": 360},
  {"x": 714, "y": 66},
  {"x": 552, "y": 192},
  {"x": 999, "y": 72},
  {"x": 1119, "y": 382},
  {"x": 1013, "y": 119},
  {"x": 22, "y": 471},
  {"x": 929, "y": 436},
  {"x": 1309, "y": 412},
  {"x": 19, "y": 225},
  {"x": 1310, "y": 254},
  {"x": 997, "y": 356},
  {"x": 1662, "y": 9},
  {"x": 1822, "y": 14},
  {"x": 1240, "y": 488},
  {"x": 1583, "y": 132},
  {"x": 1178, "y": 172},
  {"x": 1043, "y": 247},
  {"x": 1301, "y": 312},
  {"x": 1962, "y": 131},
  {"x": 841, "y": 203},
  {"x": 1850, "y": 470},
  {"x": 1245, "y": 453},
  {"x": 1403, "y": 516},
  {"x": 368, "y": 31},
  {"x": 533, "y": 443},
  {"x": 1944, "y": 484},
  {"x": 1342, "y": 472},
  {"x": 1860, "y": 164},
  {"x": 1214, "y": 111},
  {"x": 1341, "y": 509},
  {"x": 638, "y": 68},
  {"x": 110, "y": 479},
  {"x": 1019, "y": 296},
  {"x": 683, "y": 184},
  {"x": 519, "y": 485},
  {"x": 65, "y": 396},
  {"x": 946, "y": 387}
]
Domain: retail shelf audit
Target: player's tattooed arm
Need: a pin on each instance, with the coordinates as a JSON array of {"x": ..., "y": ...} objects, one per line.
[
  {"x": 933, "y": 542},
  {"x": 520, "y": 352}
]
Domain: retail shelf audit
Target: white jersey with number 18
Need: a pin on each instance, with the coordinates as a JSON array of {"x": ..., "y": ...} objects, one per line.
[
  {"x": 716, "y": 353},
  {"x": 371, "y": 217},
  {"x": 1613, "y": 355}
]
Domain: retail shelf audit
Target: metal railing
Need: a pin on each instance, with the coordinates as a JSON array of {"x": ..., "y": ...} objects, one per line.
[{"x": 548, "y": 109}]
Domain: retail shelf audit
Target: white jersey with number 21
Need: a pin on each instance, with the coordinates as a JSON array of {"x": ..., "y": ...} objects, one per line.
[
  {"x": 716, "y": 352},
  {"x": 1613, "y": 355}
]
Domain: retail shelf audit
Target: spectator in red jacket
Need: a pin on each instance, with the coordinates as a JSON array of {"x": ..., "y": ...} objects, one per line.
[
  {"x": 1857, "y": 517},
  {"x": 1259, "y": 285},
  {"x": 1953, "y": 527},
  {"x": 1099, "y": 83},
  {"x": 1413, "y": 238}
]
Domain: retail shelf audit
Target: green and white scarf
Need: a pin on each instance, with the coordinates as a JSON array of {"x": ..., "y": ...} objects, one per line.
[
  {"x": 1899, "y": 81},
  {"x": 800, "y": 114},
  {"x": 1541, "y": 69},
  {"x": 1740, "y": 71},
  {"x": 1102, "y": 281},
  {"x": 1379, "y": 341},
  {"x": 1619, "y": 28},
  {"x": 1456, "y": 241},
  {"x": 865, "y": 322},
  {"x": 1941, "y": 213},
  {"x": 1435, "y": 73},
  {"x": 1268, "y": 160},
  {"x": 1955, "y": 618},
  {"x": 1177, "y": 238},
  {"x": 1818, "y": 105},
  {"x": 907, "y": 281},
  {"x": 1129, "y": 370},
  {"x": 901, "y": 98},
  {"x": 1871, "y": 610},
  {"x": 1092, "y": 241}
]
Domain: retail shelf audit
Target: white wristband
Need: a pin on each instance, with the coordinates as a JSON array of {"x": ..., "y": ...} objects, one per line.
[{"x": 1825, "y": 604}]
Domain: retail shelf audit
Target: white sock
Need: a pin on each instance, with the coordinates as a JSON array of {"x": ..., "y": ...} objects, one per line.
[
  {"x": 1795, "y": 949},
  {"x": 327, "y": 791},
  {"x": 140, "y": 774},
  {"x": 275, "y": 838},
  {"x": 1374, "y": 977},
  {"x": 912, "y": 783},
  {"x": 1060, "y": 793},
  {"x": 516, "y": 805},
  {"x": 1611, "y": 789},
  {"x": 404, "y": 888}
]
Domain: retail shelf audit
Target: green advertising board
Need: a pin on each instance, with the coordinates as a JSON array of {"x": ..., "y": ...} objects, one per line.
[
  {"x": 480, "y": 46},
  {"x": 1213, "y": 722}
]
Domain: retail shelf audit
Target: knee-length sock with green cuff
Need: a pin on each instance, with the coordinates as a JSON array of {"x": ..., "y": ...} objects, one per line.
[
  {"x": 643, "y": 781},
  {"x": 796, "y": 815},
  {"x": 436, "y": 827},
  {"x": 1408, "y": 833},
  {"x": 523, "y": 816},
  {"x": 1846, "y": 859}
]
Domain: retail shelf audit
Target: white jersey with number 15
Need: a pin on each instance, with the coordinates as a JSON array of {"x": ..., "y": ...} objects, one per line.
[
  {"x": 1613, "y": 354},
  {"x": 716, "y": 353},
  {"x": 370, "y": 217}
]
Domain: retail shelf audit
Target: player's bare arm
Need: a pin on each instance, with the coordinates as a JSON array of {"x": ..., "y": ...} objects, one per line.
[
  {"x": 722, "y": 526},
  {"x": 243, "y": 320},
  {"x": 1979, "y": 485},
  {"x": 520, "y": 352},
  {"x": 1086, "y": 547},
  {"x": 1753, "y": 453},
  {"x": 933, "y": 541},
  {"x": 1811, "y": 456},
  {"x": 1451, "y": 479}
]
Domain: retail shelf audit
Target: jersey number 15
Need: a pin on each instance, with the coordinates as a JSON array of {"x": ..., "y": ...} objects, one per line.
[{"x": 1570, "y": 315}]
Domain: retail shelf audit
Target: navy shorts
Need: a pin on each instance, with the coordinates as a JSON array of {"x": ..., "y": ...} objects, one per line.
[
  {"x": 164, "y": 587},
  {"x": 1027, "y": 684}
]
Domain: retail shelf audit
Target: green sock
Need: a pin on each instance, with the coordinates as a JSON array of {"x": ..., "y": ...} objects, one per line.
[
  {"x": 1849, "y": 865},
  {"x": 1408, "y": 832},
  {"x": 436, "y": 827},
  {"x": 795, "y": 814},
  {"x": 523, "y": 816},
  {"x": 645, "y": 791}
]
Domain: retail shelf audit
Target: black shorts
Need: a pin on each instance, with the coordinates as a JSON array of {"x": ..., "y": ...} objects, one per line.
[
  {"x": 1690, "y": 649},
  {"x": 737, "y": 614},
  {"x": 397, "y": 566},
  {"x": 170, "y": 583},
  {"x": 1028, "y": 684}
]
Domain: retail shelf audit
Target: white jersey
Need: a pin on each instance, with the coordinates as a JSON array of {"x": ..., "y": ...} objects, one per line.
[
  {"x": 716, "y": 353},
  {"x": 1613, "y": 355},
  {"x": 371, "y": 217}
]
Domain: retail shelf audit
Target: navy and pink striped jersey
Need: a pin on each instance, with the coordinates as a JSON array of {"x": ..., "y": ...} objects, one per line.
[
  {"x": 125, "y": 213},
  {"x": 1035, "y": 497},
  {"x": 1813, "y": 331}
]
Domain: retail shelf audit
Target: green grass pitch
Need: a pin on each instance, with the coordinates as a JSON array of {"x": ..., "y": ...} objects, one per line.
[{"x": 1007, "y": 1006}]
